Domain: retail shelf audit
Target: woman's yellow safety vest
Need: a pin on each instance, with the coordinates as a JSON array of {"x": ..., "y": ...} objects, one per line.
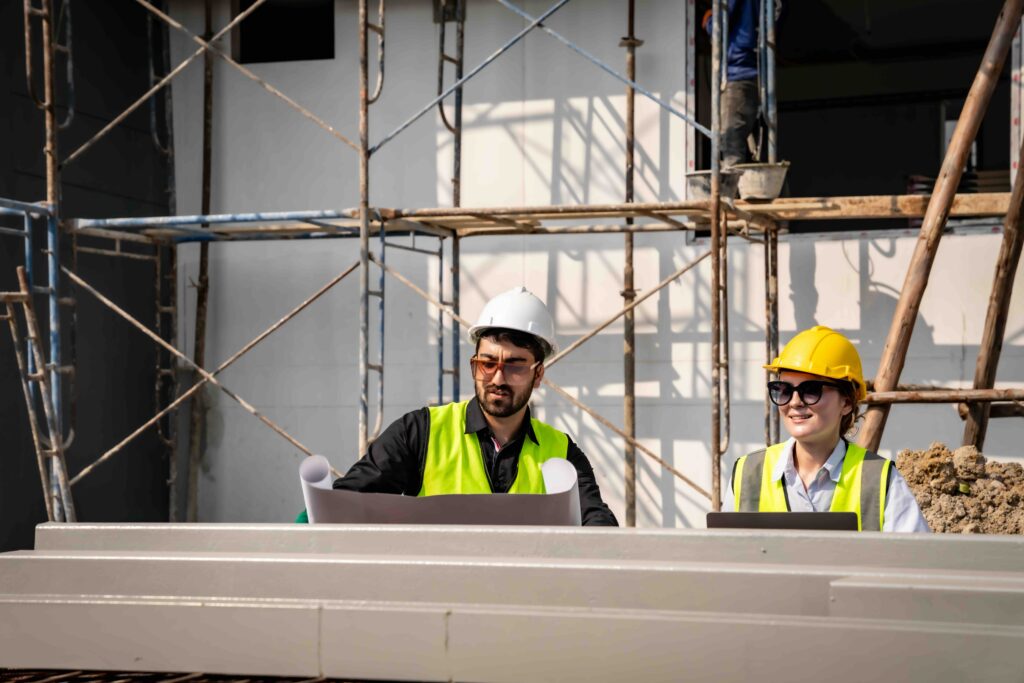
[
  {"x": 861, "y": 488},
  {"x": 454, "y": 463}
]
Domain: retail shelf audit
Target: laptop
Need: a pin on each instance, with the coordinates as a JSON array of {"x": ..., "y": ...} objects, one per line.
[{"x": 814, "y": 521}]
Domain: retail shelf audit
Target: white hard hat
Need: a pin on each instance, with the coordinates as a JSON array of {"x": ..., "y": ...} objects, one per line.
[{"x": 517, "y": 309}]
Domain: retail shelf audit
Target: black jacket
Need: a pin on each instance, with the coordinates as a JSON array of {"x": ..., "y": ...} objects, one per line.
[{"x": 395, "y": 462}]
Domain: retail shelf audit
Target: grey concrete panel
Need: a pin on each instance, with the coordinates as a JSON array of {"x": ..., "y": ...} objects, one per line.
[
  {"x": 384, "y": 641},
  {"x": 777, "y": 589},
  {"x": 536, "y": 645},
  {"x": 148, "y": 635},
  {"x": 975, "y": 599},
  {"x": 499, "y": 604},
  {"x": 431, "y": 642},
  {"x": 933, "y": 551}
]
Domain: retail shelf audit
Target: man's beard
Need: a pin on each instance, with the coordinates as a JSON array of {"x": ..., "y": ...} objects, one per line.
[{"x": 507, "y": 402}]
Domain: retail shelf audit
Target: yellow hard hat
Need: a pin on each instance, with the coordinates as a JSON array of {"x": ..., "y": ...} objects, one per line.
[{"x": 823, "y": 351}]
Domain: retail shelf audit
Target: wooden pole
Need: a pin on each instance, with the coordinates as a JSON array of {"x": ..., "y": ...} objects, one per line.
[
  {"x": 898, "y": 341},
  {"x": 944, "y": 396},
  {"x": 995, "y": 320},
  {"x": 995, "y": 410}
]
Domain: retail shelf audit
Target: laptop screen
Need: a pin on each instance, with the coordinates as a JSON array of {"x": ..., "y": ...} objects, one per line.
[{"x": 816, "y": 521}]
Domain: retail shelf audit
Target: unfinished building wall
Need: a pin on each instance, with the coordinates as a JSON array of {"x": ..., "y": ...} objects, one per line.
[
  {"x": 541, "y": 127},
  {"x": 122, "y": 175}
]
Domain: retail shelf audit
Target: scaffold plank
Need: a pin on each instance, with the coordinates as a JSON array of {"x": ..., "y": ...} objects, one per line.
[
  {"x": 991, "y": 204},
  {"x": 447, "y": 222}
]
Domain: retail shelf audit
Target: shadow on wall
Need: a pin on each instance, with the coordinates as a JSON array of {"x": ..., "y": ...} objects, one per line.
[
  {"x": 586, "y": 163},
  {"x": 671, "y": 415},
  {"x": 876, "y": 300},
  {"x": 878, "y": 308}
]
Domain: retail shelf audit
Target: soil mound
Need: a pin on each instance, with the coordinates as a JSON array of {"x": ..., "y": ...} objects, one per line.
[{"x": 961, "y": 492}]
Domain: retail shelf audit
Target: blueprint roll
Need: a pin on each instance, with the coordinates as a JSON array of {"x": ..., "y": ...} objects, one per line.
[
  {"x": 558, "y": 506},
  {"x": 560, "y": 479},
  {"x": 314, "y": 473}
]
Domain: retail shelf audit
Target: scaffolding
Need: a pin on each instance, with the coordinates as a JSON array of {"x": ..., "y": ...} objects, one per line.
[{"x": 155, "y": 239}]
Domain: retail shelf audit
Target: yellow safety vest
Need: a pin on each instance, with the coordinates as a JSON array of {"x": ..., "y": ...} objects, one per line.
[
  {"x": 455, "y": 464},
  {"x": 861, "y": 488}
]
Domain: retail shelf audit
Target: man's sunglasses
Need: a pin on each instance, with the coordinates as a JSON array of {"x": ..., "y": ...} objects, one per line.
[
  {"x": 516, "y": 372},
  {"x": 781, "y": 393}
]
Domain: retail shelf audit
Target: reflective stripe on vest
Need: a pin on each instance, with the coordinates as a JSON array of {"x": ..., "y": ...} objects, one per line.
[
  {"x": 455, "y": 464},
  {"x": 862, "y": 485}
]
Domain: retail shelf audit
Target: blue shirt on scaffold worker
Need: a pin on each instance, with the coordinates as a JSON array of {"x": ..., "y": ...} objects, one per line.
[
  {"x": 740, "y": 92},
  {"x": 741, "y": 49}
]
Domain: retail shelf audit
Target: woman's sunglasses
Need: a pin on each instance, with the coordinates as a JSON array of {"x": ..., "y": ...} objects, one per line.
[{"x": 781, "y": 393}]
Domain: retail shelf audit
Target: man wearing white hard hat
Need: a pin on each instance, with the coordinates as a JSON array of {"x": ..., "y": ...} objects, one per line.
[{"x": 489, "y": 444}]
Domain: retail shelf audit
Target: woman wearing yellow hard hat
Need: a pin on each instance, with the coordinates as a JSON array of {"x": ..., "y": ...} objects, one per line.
[{"x": 819, "y": 386}]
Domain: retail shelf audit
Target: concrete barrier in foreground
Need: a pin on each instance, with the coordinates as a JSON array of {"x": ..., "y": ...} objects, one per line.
[{"x": 514, "y": 603}]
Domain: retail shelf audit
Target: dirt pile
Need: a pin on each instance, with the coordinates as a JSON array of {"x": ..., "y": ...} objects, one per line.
[{"x": 961, "y": 492}]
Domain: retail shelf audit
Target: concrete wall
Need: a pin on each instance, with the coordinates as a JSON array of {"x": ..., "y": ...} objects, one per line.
[{"x": 542, "y": 126}]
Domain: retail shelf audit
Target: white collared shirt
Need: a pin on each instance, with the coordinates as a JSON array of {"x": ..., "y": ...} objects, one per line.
[{"x": 901, "y": 510}]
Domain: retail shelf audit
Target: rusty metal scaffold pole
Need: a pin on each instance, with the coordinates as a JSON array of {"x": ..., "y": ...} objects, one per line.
[
  {"x": 716, "y": 255},
  {"x": 166, "y": 256},
  {"x": 631, "y": 43},
  {"x": 460, "y": 49},
  {"x": 771, "y": 328},
  {"x": 364, "y": 230},
  {"x": 197, "y": 407},
  {"x": 455, "y": 128},
  {"x": 766, "y": 76},
  {"x": 723, "y": 360},
  {"x": 63, "y": 509}
]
